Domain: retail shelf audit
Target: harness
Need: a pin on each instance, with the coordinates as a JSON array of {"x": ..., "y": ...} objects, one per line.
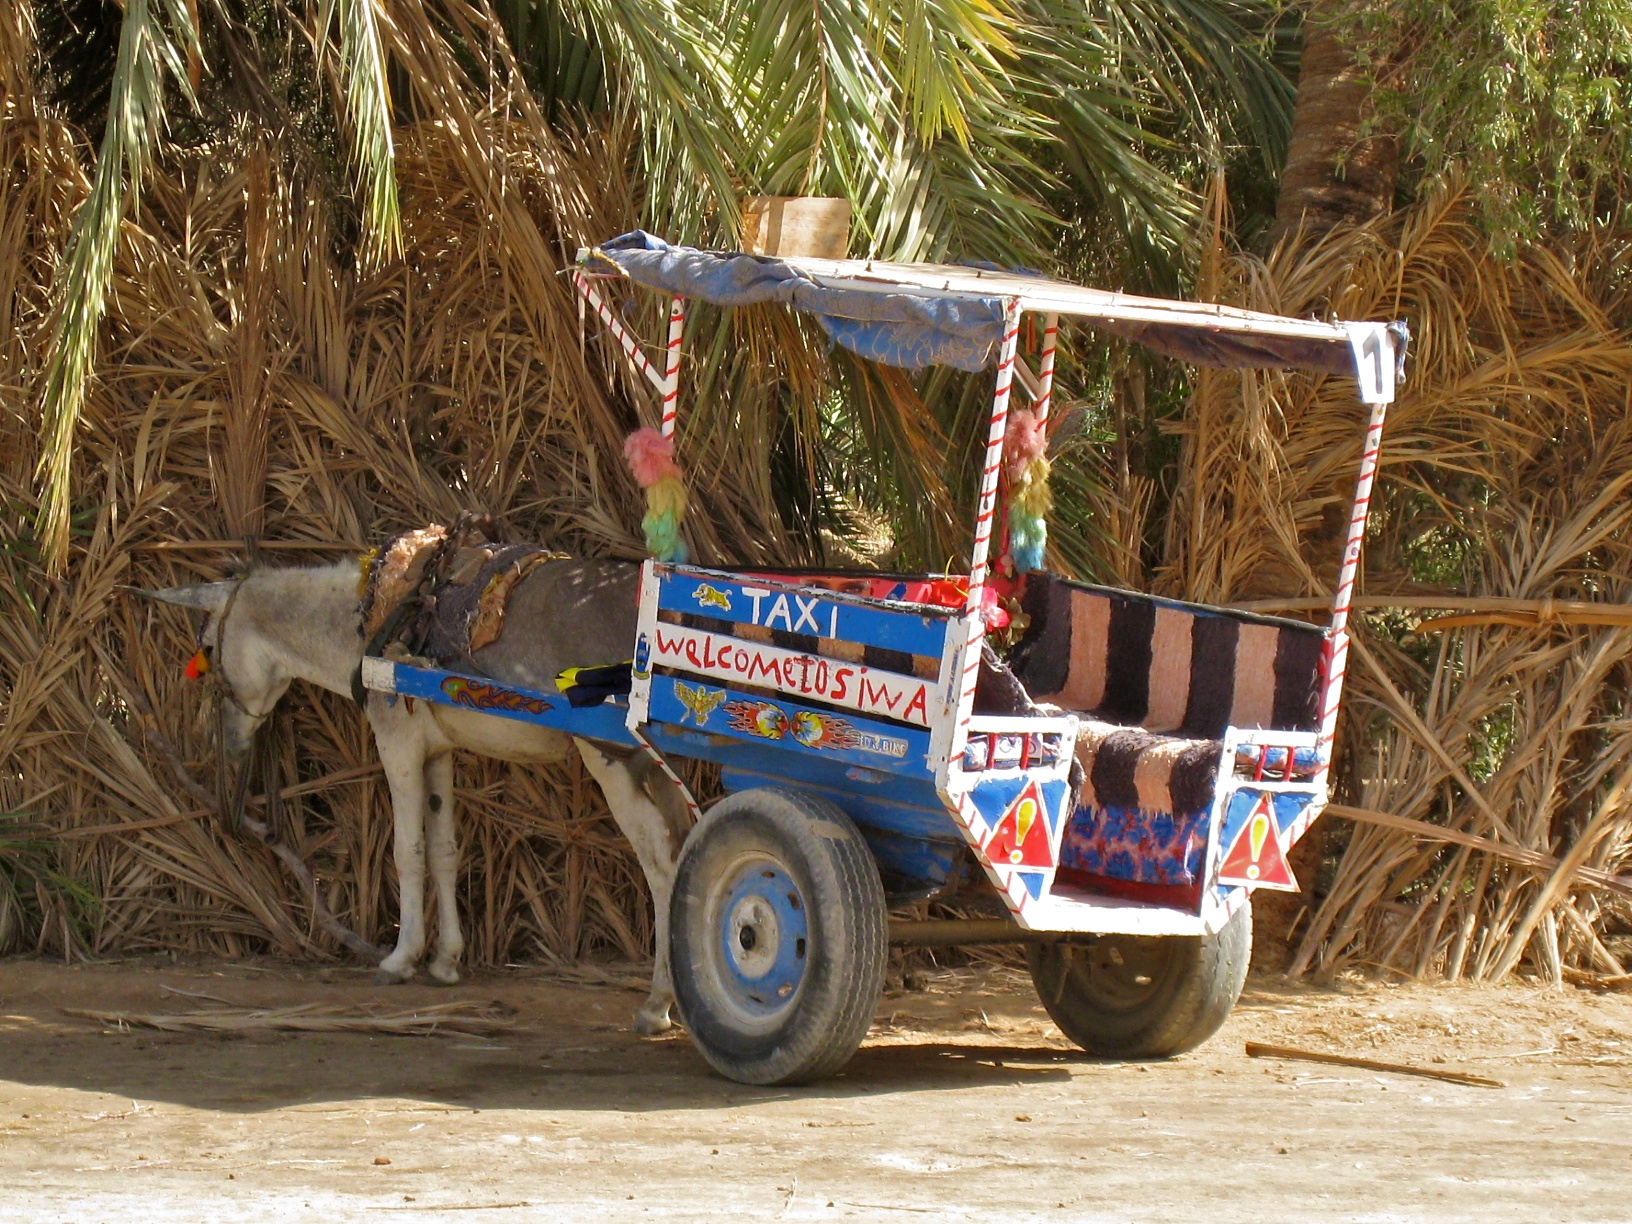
[
  {"x": 216, "y": 675},
  {"x": 231, "y": 800},
  {"x": 439, "y": 595}
]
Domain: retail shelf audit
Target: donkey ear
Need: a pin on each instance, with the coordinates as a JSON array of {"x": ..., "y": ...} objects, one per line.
[{"x": 208, "y": 596}]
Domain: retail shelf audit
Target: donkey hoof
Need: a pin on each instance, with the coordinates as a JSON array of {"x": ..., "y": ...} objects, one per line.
[
  {"x": 442, "y": 976},
  {"x": 649, "y": 1023},
  {"x": 390, "y": 977}
]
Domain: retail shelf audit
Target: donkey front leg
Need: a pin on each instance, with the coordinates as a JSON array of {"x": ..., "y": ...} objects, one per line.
[
  {"x": 443, "y": 851},
  {"x": 643, "y": 823},
  {"x": 404, "y": 759}
]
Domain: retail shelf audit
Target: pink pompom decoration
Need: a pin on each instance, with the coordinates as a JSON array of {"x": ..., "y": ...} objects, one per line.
[
  {"x": 1025, "y": 439},
  {"x": 992, "y": 610},
  {"x": 650, "y": 457}
]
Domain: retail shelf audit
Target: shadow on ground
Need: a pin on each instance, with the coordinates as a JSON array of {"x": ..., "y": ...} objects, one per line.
[{"x": 570, "y": 1048}]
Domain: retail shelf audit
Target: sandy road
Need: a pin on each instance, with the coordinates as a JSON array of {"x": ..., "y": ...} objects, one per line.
[{"x": 964, "y": 1105}]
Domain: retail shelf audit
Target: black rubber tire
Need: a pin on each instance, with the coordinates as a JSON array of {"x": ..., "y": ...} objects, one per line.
[
  {"x": 843, "y": 957},
  {"x": 1094, "y": 993}
]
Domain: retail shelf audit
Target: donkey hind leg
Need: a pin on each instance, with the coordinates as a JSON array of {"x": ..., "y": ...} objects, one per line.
[
  {"x": 403, "y": 757},
  {"x": 442, "y": 851},
  {"x": 646, "y": 827}
]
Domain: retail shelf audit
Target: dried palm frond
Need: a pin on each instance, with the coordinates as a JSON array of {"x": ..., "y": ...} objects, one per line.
[
  {"x": 1506, "y": 464},
  {"x": 440, "y": 1020},
  {"x": 368, "y": 107}
]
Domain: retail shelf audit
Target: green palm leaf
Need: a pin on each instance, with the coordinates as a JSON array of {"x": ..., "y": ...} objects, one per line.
[
  {"x": 368, "y": 109},
  {"x": 157, "y": 38},
  {"x": 664, "y": 64}
]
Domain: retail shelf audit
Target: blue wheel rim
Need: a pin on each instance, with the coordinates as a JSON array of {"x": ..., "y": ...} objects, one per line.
[{"x": 760, "y": 939}]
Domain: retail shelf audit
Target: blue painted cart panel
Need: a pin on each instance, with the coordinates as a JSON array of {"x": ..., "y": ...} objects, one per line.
[
  {"x": 816, "y": 613},
  {"x": 882, "y": 810},
  {"x": 605, "y": 722},
  {"x": 916, "y": 846},
  {"x": 907, "y": 804},
  {"x": 793, "y": 729},
  {"x": 1287, "y": 806},
  {"x": 897, "y": 808}
]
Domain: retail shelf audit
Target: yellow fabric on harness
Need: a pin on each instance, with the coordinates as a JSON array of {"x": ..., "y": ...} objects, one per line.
[
  {"x": 587, "y": 686},
  {"x": 589, "y": 677}
]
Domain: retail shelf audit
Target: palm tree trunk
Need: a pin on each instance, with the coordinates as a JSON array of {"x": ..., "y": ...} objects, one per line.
[{"x": 1336, "y": 172}]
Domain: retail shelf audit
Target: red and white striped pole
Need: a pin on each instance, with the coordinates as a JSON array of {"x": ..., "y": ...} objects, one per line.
[
  {"x": 994, "y": 455},
  {"x": 1332, "y": 697},
  {"x": 1045, "y": 369},
  {"x": 631, "y": 349},
  {"x": 671, "y": 364},
  {"x": 978, "y": 567}
]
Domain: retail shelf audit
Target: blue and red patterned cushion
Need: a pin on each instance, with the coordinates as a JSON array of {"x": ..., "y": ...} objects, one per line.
[
  {"x": 1127, "y": 844},
  {"x": 1142, "y": 811}
]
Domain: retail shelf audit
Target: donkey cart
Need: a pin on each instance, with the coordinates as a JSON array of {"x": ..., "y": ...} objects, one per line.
[{"x": 1121, "y": 778}]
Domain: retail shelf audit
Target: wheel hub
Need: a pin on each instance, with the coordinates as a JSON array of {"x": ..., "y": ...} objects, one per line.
[
  {"x": 755, "y": 937},
  {"x": 762, "y": 938},
  {"x": 1123, "y": 973}
]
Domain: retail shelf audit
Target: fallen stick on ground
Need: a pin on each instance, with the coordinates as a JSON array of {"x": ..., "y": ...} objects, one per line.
[
  {"x": 463, "y": 1019},
  {"x": 197, "y": 994},
  {"x": 1259, "y": 1050},
  {"x": 1599, "y": 981}
]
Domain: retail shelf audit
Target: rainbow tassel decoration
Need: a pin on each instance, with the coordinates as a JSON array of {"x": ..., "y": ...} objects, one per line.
[
  {"x": 1025, "y": 462},
  {"x": 650, "y": 457}
]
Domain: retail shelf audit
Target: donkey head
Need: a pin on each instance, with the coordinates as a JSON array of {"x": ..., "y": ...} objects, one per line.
[{"x": 246, "y": 667}]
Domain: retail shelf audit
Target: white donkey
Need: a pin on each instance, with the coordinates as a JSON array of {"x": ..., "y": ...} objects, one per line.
[{"x": 277, "y": 625}]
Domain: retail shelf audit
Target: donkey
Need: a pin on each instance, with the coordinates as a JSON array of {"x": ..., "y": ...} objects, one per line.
[{"x": 276, "y": 625}]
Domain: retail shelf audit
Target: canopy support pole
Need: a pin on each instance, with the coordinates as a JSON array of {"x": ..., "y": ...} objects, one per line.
[
  {"x": 671, "y": 364},
  {"x": 615, "y": 325},
  {"x": 1045, "y": 369},
  {"x": 978, "y": 568},
  {"x": 1338, "y": 659}
]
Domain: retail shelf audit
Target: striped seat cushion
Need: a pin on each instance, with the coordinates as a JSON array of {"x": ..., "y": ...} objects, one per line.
[
  {"x": 1169, "y": 667},
  {"x": 1157, "y": 683}
]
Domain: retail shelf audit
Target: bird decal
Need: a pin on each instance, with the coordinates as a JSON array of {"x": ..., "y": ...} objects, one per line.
[{"x": 700, "y": 702}]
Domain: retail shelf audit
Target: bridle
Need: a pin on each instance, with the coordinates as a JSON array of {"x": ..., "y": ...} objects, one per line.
[
  {"x": 216, "y": 677},
  {"x": 231, "y": 801}
]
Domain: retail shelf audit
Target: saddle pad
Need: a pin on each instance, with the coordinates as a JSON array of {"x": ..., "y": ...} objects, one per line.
[
  {"x": 441, "y": 593},
  {"x": 394, "y": 571},
  {"x": 468, "y": 600}
]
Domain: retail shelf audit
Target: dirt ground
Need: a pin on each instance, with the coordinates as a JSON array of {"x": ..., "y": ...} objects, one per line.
[{"x": 965, "y": 1103}]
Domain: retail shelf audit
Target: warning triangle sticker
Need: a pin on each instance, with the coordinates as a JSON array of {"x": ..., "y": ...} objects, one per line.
[
  {"x": 1257, "y": 857},
  {"x": 1020, "y": 837}
]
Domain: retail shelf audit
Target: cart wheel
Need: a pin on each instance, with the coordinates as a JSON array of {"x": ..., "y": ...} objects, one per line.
[
  {"x": 1128, "y": 996},
  {"x": 777, "y": 936}
]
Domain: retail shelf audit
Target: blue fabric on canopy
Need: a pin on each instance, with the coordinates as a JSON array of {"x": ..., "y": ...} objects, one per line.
[{"x": 899, "y": 329}]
